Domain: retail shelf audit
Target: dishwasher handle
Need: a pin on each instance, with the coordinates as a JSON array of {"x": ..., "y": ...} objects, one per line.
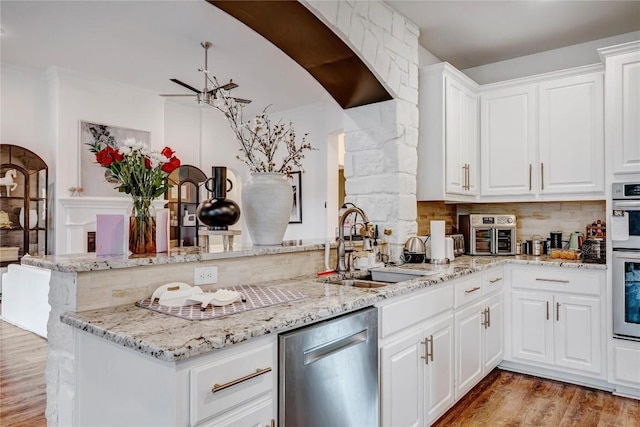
[{"x": 325, "y": 350}]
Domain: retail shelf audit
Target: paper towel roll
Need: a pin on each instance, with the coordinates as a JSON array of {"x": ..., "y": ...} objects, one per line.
[{"x": 438, "y": 251}]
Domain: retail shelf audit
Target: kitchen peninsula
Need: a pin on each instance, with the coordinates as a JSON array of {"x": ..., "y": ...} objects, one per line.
[{"x": 97, "y": 336}]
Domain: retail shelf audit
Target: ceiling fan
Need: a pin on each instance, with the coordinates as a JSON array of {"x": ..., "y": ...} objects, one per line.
[{"x": 208, "y": 95}]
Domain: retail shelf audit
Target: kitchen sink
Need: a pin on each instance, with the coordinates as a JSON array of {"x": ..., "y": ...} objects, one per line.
[
  {"x": 395, "y": 275},
  {"x": 360, "y": 283}
]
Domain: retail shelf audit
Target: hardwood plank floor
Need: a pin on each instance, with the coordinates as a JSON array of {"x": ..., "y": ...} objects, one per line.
[
  {"x": 508, "y": 399},
  {"x": 23, "y": 357}
]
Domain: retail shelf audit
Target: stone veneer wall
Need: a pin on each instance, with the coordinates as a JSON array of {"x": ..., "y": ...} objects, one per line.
[
  {"x": 533, "y": 217},
  {"x": 381, "y": 139}
]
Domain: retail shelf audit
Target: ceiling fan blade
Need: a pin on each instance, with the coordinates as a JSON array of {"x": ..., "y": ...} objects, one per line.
[
  {"x": 185, "y": 85},
  {"x": 172, "y": 94},
  {"x": 228, "y": 86},
  {"x": 242, "y": 101}
]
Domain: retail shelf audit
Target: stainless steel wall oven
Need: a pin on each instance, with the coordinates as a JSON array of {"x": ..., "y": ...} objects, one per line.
[{"x": 626, "y": 260}]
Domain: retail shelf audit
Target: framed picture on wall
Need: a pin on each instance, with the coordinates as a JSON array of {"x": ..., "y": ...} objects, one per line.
[
  {"x": 296, "y": 207},
  {"x": 93, "y": 178}
]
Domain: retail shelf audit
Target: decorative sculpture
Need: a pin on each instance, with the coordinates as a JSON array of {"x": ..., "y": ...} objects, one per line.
[{"x": 8, "y": 181}]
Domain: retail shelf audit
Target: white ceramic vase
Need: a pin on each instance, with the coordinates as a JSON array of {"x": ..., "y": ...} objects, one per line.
[
  {"x": 266, "y": 205},
  {"x": 33, "y": 218}
]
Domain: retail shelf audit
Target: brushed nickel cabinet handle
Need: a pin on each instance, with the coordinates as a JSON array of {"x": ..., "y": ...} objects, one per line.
[
  {"x": 552, "y": 280},
  {"x": 488, "y": 317},
  {"x": 427, "y": 354},
  {"x": 272, "y": 423},
  {"x": 530, "y": 177},
  {"x": 484, "y": 318},
  {"x": 468, "y": 291},
  {"x": 219, "y": 387},
  {"x": 547, "y": 310},
  {"x": 497, "y": 279},
  {"x": 467, "y": 176},
  {"x": 542, "y": 174},
  {"x": 557, "y": 312}
]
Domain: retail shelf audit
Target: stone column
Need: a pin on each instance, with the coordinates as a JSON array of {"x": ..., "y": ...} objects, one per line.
[{"x": 381, "y": 139}]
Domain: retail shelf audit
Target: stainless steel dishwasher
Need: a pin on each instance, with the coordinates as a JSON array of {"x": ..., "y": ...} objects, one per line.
[{"x": 329, "y": 373}]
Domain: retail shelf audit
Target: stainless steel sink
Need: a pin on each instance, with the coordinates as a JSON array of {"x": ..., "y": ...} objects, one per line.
[{"x": 360, "y": 283}]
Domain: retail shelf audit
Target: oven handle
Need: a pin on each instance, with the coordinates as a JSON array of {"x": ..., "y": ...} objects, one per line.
[
  {"x": 626, "y": 204},
  {"x": 626, "y": 255}
]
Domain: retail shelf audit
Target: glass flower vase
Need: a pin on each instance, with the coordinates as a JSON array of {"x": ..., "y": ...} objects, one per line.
[{"x": 142, "y": 227}]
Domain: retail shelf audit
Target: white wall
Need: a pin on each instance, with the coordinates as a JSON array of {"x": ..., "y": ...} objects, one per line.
[{"x": 544, "y": 62}]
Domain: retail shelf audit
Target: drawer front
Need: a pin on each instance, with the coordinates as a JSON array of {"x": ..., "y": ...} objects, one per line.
[
  {"x": 558, "y": 280},
  {"x": 232, "y": 380},
  {"x": 492, "y": 281},
  {"x": 467, "y": 290},
  {"x": 399, "y": 315}
]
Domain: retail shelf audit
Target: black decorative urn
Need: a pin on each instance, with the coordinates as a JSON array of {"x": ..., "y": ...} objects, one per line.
[{"x": 218, "y": 212}]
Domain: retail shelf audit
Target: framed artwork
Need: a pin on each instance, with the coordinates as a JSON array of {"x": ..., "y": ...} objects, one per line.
[
  {"x": 93, "y": 178},
  {"x": 296, "y": 207}
]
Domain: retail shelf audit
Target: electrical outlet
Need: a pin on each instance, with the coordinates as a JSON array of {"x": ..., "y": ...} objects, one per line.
[{"x": 205, "y": 275}]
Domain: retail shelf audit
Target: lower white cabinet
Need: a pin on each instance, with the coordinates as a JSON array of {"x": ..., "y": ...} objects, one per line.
[
  {"x": 624, "y": 367},
  {"x": 557, "y": 319},
  {"x": 417, "y": 374},
  {"x": 234, "y": 386},
  {"x": 479, "y": 342}
]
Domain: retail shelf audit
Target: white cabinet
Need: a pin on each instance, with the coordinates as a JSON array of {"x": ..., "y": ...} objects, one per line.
[
  {"x": 543, "y": 138},
  {"x": 234, "y": 386},
  {"x": 416, "y": 357},
  {"x": 622, "y": 106},
  {"x": 508, "y": 137},
  {"x": 571, "y": 135},
  {"x": 557, "y": 319},
  {"x": 417, "y": 374},
  {"x": 624, "y": 367},
  {"x": 479, "y": 342},
  {"x": 448, "y": 166}
]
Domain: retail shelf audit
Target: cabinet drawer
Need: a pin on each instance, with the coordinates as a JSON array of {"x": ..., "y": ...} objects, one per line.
[
  {"x": 492, "y": 281},
  {"x": 399, "y": 315},
  {"x": 557, "y": 280},
  {"x": 231, "y": 381},
  {"x": 467, "y": 290}
]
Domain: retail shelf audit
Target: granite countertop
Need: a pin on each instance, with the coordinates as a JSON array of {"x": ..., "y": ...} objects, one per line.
[
  {"x": 93, "y": 262},
  {"x": 172, "y": 339}
]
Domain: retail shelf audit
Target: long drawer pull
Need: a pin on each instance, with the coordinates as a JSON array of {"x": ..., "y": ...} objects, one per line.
[
  {"x": 552, "y": 280},
  {"x": 468, "y": 291},
  {"x": 218, "y": 387},
  {"x": 495, "y": 280}
]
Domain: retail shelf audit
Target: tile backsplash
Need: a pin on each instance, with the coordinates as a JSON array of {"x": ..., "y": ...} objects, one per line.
[{"x": 533, "y": 217}]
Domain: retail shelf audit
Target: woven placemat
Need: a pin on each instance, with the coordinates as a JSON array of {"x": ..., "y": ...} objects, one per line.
[{"x": 256, "y": 297}]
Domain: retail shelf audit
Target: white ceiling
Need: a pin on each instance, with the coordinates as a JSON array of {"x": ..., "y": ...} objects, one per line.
[{"x": 145, "y": 43}]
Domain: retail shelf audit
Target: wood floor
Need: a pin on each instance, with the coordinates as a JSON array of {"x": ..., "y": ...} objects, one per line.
[
  {"x": 502, "y": 399},
  {"x": 507, "y": 399},
  {"x": 23, "y": 358}
]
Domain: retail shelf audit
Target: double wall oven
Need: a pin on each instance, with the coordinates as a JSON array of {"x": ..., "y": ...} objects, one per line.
[{"x": 625, "y": 242}]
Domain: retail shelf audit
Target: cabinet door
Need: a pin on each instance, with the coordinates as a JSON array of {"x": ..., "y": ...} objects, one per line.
[
  {"x": 468, "y": 327},
  {"x": 493, "y": 333},
  {"x": 471, "y": 142},
  {"x": 507, "y": 141},
  {"x": 259, "y": 413},
  {"x": 439, "y": 393},
  {"x": 577, "y": 333},
  {"x": 623, "y": 111},
  {"x": 402, "y": 381},
  {"x": 455, "y": 136},
  {"x": 532, "y": 326},
  {"x": 571, "y": 140}
]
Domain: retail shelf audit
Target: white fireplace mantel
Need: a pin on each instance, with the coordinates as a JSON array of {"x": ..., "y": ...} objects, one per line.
[{"x": 80, "y": 217}]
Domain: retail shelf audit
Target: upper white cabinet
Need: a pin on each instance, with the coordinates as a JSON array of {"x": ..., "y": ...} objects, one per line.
[
  {"x": 508, "y": 141},
  {"x": 543, "y": 139},
  {"x": 622, "y": 105},
  {"x": 448, "y": 166}
]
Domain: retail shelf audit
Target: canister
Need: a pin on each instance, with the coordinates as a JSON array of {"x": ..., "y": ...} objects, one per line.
[{"x": 536, "y": 249}]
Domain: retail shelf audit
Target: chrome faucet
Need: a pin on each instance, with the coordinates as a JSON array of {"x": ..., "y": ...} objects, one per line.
[{"x": 342, "y": 266}]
